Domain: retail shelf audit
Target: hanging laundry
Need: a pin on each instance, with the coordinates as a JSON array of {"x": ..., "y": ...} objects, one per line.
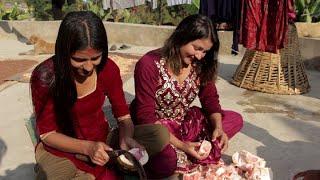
[
  {"x": 221, "y": 11},
  {"x": 291, "y": 12},
  {"x": 154, "y": 3},
  {"x": 264, "y": 24},
  {"x": 121, "y": 4},
  {"x": 226, "y": 16},
  {"x": 178, "y": 2},
  {"x": 106, "y": 4}
]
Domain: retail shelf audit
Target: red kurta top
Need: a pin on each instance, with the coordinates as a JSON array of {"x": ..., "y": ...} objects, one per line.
[
  {"x": 159, "y": 97},
  {"x": 148, "y": 83},
  {"x": 89, "y": 120}
]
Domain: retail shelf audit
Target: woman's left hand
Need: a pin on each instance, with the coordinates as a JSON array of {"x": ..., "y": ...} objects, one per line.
[
  {"x": 126, "y": 131},
  {"x": 218, "y": 133},
  {"x": 127, "y": 143}
]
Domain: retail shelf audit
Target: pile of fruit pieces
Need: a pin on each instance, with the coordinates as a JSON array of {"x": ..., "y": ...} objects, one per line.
[{"x": 245, "y": 166}]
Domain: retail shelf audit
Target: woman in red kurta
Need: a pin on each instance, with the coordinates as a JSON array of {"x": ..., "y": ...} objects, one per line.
[
  {"x": 68, "y": 92},
  {"x": 89, "y": 120},
  {"x": 167, "y": 81}
]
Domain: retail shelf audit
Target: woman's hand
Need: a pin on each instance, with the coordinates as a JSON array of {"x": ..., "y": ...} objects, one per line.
[
  {"x": 126, "y": 131},
  {"x": 191, "y": 149},
  {"x": 218, "y": 133},
  {"x": 127, "y": 143},
  {"x": 97, "y": 152}
]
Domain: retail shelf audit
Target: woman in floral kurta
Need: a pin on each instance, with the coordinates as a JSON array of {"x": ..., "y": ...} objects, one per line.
[{"x": 167, "y": 81}]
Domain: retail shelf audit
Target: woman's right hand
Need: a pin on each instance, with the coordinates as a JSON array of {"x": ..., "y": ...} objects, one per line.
[
  {"x": 97, "y": 152},
  {"x": 190, "y": 148}
]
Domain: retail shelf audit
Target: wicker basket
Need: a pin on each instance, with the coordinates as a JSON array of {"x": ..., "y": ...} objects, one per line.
[{"x": 282, "y": 73}]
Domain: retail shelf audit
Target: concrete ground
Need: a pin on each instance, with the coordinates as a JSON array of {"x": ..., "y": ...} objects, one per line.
[{"x": 284, "y": 130}]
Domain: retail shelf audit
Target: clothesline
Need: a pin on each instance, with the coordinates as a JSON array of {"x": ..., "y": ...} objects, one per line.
[{"x": 123, "y": 4}]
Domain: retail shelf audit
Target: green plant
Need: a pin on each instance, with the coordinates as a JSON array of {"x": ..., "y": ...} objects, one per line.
[
  {"x": 41, "y": 9},
  {"x": 174, "y": 14},
  {"x": 2, "y": 11},
  {"x": 73, "y": 7},
  {"x": 144, "y": 14},
  {"x": 308, "y": 10},
  {"x": 196, "y": 4},
  {"x": 88, "y": 5},
  {"x": 163, "y": 15},
  {"x": 96, "y": 7},
  {"x": 14, "y": 13},
  {"x": 129, "y": 17}
]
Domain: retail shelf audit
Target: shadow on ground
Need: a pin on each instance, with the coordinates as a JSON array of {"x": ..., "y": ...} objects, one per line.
[
  {"x": 5, "y": 26},
  {"x": 313, "y": 77},
  {"x": 286, "y": 157},
  {"x": 21, "y": 172},
  {"x": 226, "y": 71},
  {"x": 313, "y": 64},
  {"x": 3, "y": 149},
  {"x": 108, "y": 110},
  {"x": 290, "y": 106}
]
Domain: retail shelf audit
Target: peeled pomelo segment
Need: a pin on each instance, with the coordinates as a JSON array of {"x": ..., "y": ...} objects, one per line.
[
  {"x": 192, "y": 176},
  {"x": 126, "y": 161},
  {"x": 140, "y": 155},
  {"x": 247, "y": 161},
  {"x": 205, "y": 148},
  {"x": 136, "y": 152}
]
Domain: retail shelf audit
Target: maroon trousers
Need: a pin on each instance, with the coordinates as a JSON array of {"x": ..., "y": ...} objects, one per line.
[{"x": 165, "y": 163}]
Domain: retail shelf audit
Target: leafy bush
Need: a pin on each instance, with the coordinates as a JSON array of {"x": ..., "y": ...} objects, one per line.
[
  {"x": 14, "y": 13},
  {"x": 144, "y": 14},
  {"x": 163, "y": 15},
  {"x": 308, "y": 10},
  {"x": 41, "y": 9},
  {"x": 2, "y": 11}
]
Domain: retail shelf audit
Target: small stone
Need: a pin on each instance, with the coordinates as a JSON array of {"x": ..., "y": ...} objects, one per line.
[{"x": 113, "y": 47}]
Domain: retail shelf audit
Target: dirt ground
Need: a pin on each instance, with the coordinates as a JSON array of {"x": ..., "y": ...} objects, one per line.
[
  {"x": 126, "y": 63},
  {"x": 11, "y": 68},
  {"x": 20, "y": 70}
]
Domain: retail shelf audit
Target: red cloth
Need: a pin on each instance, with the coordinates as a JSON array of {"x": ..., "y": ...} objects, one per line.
[
  {"x": 291, "y": 11},
  {"x": 264, "y": 24},
  {"x": 90, "y": 122}
]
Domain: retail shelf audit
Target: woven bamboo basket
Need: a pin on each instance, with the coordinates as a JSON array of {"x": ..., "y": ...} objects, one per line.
[{"x": 282, "y": 73}]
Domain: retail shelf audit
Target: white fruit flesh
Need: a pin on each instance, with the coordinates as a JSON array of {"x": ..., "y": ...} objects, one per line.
[
  {"x": 205, "y": 148},
  {"x": 141, "y": 156}
]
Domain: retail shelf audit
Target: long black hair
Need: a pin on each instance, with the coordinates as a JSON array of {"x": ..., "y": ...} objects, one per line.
[
  {"x": 190, "y": 29},
  {"x": 77, "y": 31}
]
